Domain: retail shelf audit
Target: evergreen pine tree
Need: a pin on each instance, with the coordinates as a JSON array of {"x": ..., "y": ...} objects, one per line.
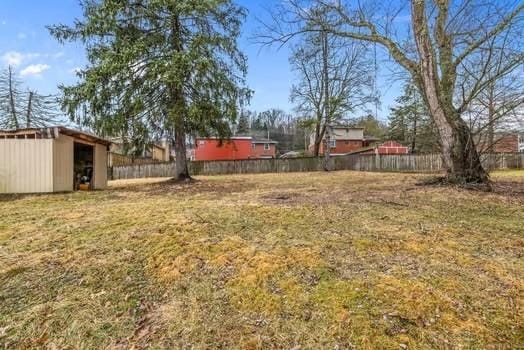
[
  {"x": 243, "y": 124},
  {"x": 172, "y": 67},
  {"x": 411, "y": 124}
]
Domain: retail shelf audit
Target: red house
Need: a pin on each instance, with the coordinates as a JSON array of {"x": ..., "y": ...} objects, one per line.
[
  {"x": 235, "y": 148},
  {"x": 502, "y": 143},
  {"x": 261, "y": 149}
]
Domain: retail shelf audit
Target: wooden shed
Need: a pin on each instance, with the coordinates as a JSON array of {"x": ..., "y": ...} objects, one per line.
[{"x": 55, "y": 159}]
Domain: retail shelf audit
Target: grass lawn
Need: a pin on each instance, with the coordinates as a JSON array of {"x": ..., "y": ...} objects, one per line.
[{"x": 306, "y": 260}]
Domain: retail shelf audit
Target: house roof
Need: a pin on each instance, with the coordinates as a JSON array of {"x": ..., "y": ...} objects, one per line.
[
  {"x": 53, "y": 131},
  {"x": 340, "y": 126},
  {"x": 253, "y": 140},
  {"x": 361, "y": 150}
]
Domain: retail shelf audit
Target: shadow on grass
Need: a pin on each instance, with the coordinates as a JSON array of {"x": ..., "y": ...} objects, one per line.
[{"x": 171, "y": 186}]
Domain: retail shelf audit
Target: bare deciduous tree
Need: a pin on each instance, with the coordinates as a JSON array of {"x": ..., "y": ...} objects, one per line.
[
  {"x": 19, "y": 108},
  {"x": 445, "y": 38},
  {"x": 497, "y": 108},
  {"x": 333, "y": 79}
]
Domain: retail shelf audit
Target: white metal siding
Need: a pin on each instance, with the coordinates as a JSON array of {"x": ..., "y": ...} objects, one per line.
[
  {"x": 100, "y": 167},
  {"x": 26, "y": 165},
  {"x": 348, "y": 134},
  {"x": 63, "y": 152}
]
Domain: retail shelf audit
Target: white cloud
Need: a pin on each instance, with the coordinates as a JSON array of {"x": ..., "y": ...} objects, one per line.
[
  {"x": 4, "y": 22},
  {"x": 34, "y": 70},
  {"x": 21, "y": 36},
  {"x": 13, "y": 58}
]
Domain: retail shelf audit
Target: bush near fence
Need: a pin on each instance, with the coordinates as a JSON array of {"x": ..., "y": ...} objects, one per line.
[{"x": 423, "y": 163}]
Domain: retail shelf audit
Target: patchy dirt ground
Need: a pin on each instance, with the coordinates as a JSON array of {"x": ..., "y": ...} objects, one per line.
[{"x": 310, "y": 260}]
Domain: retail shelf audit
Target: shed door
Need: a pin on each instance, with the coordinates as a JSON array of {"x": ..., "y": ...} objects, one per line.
[
  {"x": 63, "y": 158},
  {"x": 100, "y": 171}
]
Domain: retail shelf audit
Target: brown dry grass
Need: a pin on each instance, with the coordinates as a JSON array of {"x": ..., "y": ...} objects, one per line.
[{"x": 316, "y": 260}]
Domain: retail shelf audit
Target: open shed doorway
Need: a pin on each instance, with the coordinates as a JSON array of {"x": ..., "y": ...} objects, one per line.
[{"x": 83, "y": 166}]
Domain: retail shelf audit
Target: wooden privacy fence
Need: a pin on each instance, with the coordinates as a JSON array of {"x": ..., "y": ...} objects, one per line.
[
  {"x": 503, "y": 161},
  {"x": 424, "y": 163}
]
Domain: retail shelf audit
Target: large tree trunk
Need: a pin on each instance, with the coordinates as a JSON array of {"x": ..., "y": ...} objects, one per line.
[
  {"x": 182, "y": 171},
  {"x": 466, "y": 166},
  {"x": 459, "y": 154},
  {"x": 316, "y": 148},
  {"x": 179, "y": 110},
  {"x": 414, "y": 136}
]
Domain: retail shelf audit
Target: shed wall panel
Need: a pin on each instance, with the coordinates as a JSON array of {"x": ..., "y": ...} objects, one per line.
[
  {"x": 100, "y": 167},
  {"x": 63, "y": 153},
  {"x": 26, "y": 165}
]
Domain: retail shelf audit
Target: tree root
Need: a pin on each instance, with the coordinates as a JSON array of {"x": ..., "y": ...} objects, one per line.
[
  {"x": 185, "y": 180},
  {"x": 445, "y": 181}
]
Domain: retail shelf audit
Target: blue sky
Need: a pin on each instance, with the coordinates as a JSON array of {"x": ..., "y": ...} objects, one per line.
[{"x": 43, "y": 63}]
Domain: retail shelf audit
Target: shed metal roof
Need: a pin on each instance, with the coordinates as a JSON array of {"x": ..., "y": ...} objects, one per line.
[{"x": 54, "y": 131}]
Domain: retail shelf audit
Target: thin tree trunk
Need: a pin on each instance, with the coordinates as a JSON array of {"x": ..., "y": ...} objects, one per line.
[
  {"x": 491, "y": 120},
  {"x": 318, "y": 135},
  {"x": 404, "y": 128},
  {"x": 327, "y": 111},
  {"x": 12, "y": 99},
  {"x": 491, "y": 127},
  {"x": 414, "y": 137},
  {"x": 29, "y": 110}
]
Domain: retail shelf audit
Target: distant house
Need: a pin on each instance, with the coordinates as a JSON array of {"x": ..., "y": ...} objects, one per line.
[
  {"x": 263, "y": 148},
  {"x": 343, "y": 139},
  {"x": 158, "y": 151},
  {"x": 235, "y": 148},
  {"x": 161, "y": 151},
  {"x": 503, "y": 143}
]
